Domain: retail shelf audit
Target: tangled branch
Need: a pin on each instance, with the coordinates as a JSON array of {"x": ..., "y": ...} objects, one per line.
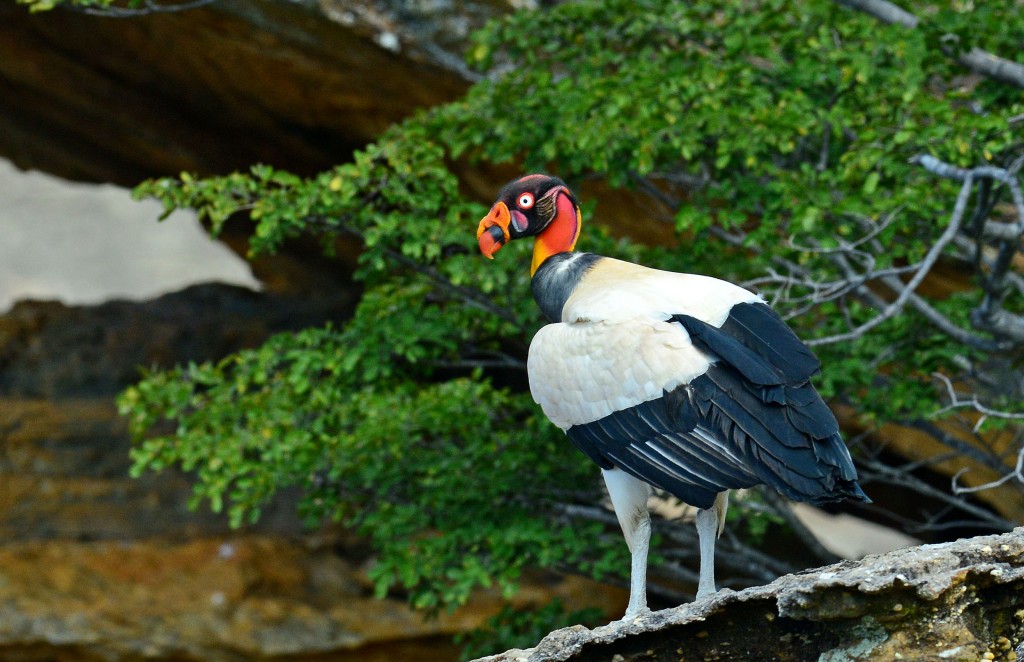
[
  {"x": 920, "y": 272},
  {"x": 972, "y": 235}
]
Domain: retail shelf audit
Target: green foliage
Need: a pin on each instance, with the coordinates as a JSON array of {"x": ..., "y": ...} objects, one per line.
[
  {"x": 46, "y": 5},
  {"x": 802, "y": 115},
  {"x": 398, "y": 461},
  {"x": 906, "y": 346},
  {"x": 799, "y": 117},
  {"x": 431, "y": 470}
]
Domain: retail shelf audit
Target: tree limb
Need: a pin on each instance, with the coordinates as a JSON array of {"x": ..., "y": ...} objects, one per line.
[
  {"x": 977, "y": 60},
  {"x": 990, "y": 316},
  {"x": 1006, "y": 176},
  {"x": 993, "y": 66},
  {"x": 956, "y": 402},
  {"x": 875, "y": 471},
  {"x": 944, "y": 324},
  {"x": 884, "y": 11},
  {"x": 1017, "y": 474}
]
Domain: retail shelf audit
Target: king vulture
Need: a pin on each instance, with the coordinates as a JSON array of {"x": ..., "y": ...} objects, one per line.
[{"x": 683, "y": 382}]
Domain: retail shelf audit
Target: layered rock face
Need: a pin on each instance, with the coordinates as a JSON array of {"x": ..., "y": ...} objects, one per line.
[
  {"x": 63, "y": 471},
  {"x": 296, "y": 85}
]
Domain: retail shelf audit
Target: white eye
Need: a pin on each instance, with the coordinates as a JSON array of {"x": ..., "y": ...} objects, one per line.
[{"x": 525, "y": 200}]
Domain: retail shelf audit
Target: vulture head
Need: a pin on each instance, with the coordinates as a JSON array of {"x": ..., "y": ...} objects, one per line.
[{"x": 533, "y": 206}]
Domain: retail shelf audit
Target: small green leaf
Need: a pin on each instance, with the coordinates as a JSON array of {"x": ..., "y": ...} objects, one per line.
[{"x": 870, "y": 183}]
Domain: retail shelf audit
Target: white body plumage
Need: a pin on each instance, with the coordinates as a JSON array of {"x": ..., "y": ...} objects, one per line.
[{"x": 615, "y": 346}]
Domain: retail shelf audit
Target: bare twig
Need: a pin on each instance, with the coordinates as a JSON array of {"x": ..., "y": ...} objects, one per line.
[
  {"x": 1006, "y": 176},
  {"x": 1017, "y": 474},
  {"x": 875, "y": 471},
  {"x": 956, "y": 402},
  {"x": 944, "y": 324}
]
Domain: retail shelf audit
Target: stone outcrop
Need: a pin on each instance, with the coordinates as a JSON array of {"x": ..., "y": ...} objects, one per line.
[
  {"x": 49, "y": 350},
  {"x": 953, "y": 601}
]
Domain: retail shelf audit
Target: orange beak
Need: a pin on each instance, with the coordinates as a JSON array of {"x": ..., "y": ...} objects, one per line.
[{"x": 492, "y": 233}]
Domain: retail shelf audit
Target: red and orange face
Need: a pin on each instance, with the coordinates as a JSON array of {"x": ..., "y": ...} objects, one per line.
[{"x": 524, "y": 208}]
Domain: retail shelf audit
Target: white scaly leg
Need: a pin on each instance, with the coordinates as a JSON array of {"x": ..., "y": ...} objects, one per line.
[
  {"x": 629, "y": 498},
  {"x": 709, "y": 526}
]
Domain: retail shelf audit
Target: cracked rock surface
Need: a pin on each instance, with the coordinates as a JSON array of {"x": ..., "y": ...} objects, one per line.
[{"x": 962, "y": 600}]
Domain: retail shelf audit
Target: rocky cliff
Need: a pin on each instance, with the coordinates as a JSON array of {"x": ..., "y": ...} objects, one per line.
[{"x": 953, "y": 601}]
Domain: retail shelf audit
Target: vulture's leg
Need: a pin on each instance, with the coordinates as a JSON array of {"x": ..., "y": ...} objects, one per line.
[
  {"x": 629, "y": 497},
  {"x": 709, "y": 526}
]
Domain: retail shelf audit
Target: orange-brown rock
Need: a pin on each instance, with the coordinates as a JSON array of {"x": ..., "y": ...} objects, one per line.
[
  {"x": 64, "y": 475},
  {"x": 226, "y": 598}
]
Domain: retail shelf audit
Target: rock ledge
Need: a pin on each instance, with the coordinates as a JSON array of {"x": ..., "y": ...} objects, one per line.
[{"x": 952, "y": 601}]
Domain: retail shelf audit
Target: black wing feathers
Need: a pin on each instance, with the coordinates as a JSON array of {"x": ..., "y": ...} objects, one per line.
[
  {"x": 761, "y": 329},
  {"x": 769, "y": 347},
  {"x": 641, "y": 441},
  {"x": 752, "y": 418},
  {"x": 752, "y": 366}
]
